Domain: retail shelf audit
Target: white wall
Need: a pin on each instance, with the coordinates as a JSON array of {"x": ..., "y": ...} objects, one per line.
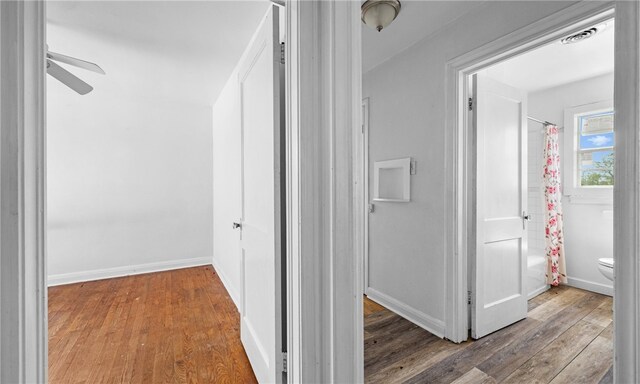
[
  {"x": 407, "y": 118},
  {"x": 588, "y": 225},
  {"x": 226, "y": 187},
  {"x": 129, "y": 171}
]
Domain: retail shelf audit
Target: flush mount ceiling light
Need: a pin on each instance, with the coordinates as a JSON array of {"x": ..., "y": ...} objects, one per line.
[{"x": 379, "y": 14}]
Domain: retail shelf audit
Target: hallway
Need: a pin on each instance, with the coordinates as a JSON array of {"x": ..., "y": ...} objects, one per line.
[{"x": 567, "y": 337}]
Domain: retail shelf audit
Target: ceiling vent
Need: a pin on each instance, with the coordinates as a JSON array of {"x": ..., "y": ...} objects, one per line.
[{"x": 581, "y": 36}]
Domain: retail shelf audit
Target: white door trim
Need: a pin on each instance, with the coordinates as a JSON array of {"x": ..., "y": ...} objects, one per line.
[
  {"x": 627, "y": 194},
  {"x": 23, "y": 289},
  {"x": 362, "y": 199},
  {"x": 627, "y": 189},
  {"x": 324, "y": 275}
]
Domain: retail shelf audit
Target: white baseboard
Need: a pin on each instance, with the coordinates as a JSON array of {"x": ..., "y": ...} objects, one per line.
[
  {"x": 538, "y": 291},
  {"x": 227, "y": 284},
  {"x": 413, "y": 315},
  {"x": 128, "y": 270},
  {"x": 590, "y": 286}
]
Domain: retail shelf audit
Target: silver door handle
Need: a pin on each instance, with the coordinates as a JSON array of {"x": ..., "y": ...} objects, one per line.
[
  {"x": 525, "y": 217},
  {"x": 237, "y": 225}
]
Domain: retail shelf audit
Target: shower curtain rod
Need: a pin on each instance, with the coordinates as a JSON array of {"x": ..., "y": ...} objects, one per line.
[
  {"x": 539, "y": 121},
  {"x": 545, "y": 123}
]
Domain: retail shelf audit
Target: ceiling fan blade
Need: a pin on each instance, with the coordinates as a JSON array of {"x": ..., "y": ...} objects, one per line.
[
  {"x": 75, "y": 62},
  {"x": 67, "y": 78}
]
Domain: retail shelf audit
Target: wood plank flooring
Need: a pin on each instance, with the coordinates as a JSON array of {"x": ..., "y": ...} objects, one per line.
[
  {"x": 177, "y": 326},
  {"x": 566, "y": 338}
]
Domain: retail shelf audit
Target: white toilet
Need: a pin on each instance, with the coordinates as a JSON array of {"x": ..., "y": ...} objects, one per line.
[{"x": 605, "y": 266}]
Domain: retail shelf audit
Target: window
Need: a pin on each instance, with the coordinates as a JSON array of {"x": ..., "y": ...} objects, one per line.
[
  {"x": 595, "y": 152},
  {"x": 589, "y": 151}
]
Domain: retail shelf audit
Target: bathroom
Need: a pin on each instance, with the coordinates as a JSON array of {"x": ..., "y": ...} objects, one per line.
[{"x": 570, "y": 84}]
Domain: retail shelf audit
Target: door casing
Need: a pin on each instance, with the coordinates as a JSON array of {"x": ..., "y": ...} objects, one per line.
[
  {"x": 363, "y": 202},
  {"x": 459, "y": 205}
]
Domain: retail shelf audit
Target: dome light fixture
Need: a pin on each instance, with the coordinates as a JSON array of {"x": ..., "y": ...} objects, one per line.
[{"x": 379, "y": 14}]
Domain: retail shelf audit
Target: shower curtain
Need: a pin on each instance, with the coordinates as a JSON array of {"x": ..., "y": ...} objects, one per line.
[{"x": 556, "y": 271}]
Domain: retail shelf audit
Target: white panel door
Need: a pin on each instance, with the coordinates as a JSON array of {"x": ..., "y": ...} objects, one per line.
[
  {"x": 498, "y": 270},
  {"x": 260, "y": 93}
]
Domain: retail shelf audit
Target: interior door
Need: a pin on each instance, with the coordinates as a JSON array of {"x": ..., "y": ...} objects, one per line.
[
  {"x": 498, "y": 270},
  {"x": 262, "y": 224}
]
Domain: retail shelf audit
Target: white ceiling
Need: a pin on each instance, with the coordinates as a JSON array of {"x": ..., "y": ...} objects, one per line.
[
  {"x": 177, "y": 49},
  {"x": 417, "y": 19},
  {"x": 556, "y": 64}
]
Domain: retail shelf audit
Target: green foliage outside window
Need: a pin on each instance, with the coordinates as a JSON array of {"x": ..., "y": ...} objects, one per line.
[{"x": 601, "y": 174}]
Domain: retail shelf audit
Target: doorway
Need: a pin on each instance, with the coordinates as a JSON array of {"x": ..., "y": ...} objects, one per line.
[
  {"x": 463, "y": 69},
  {"x": 541, "y": 195},
  {"x": 427, "y": 372},
  {"x": 136, "y": 144},
  {"x": 564, "y": 92}
]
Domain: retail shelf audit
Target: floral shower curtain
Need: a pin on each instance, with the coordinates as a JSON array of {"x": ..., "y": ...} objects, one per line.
[{"x": 556, "y": 271}]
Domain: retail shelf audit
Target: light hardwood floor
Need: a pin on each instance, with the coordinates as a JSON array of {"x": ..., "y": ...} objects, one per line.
[
  {"x": 566, "y": 338},
  {"x": 177, "y": 326}
]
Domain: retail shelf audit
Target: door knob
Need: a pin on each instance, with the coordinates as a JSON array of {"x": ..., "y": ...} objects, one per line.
[{"x": 237, "y": 225}]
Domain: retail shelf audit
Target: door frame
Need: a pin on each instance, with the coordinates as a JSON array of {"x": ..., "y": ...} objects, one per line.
[
  {"x": 363, "y": 203},
  {"x": 23, "y": 286},
  {"x": 459, "y": 224},
  {"x": 324, "y": 263}
]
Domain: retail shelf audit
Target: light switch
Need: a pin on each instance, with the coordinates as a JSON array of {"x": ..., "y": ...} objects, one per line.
[{"x": 413, "y": 168}]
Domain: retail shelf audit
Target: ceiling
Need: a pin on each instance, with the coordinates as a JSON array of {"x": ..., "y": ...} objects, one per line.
[
  {"x": 188, "y": 49},
  {"x": 556, "y": 64},
  {"x": 417, "y": 19},
  {"x": 177, "y": 49}
]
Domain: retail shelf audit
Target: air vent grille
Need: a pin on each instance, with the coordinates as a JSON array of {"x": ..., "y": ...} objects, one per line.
[{"x": 580, "y": 36}]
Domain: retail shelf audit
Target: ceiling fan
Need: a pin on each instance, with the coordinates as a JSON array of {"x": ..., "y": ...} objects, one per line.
[{"x": 68, "y": 78}]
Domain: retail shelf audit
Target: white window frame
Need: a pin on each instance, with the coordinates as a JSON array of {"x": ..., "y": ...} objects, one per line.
[{"x": 571, "y": 184}]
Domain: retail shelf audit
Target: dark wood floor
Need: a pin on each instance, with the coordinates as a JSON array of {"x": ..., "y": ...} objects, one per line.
[
  {"x": 566, "y": 338},
  {"x": 177, "y": 326}
]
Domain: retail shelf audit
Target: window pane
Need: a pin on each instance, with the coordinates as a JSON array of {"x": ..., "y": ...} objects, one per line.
[
  {"x": 596, "y": 168},
  {"x": 596, "y": 141},
  {"x": 596, "y": 123},
  {"x": 594, "y": 178}
]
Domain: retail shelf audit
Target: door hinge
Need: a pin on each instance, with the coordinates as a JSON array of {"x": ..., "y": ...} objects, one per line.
[
  {"x": 284, "y": 362},
  {"x": 471, "y": 104},
  {"x": 469, "y": 297},
  {"x": 281, "y": 53}
]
